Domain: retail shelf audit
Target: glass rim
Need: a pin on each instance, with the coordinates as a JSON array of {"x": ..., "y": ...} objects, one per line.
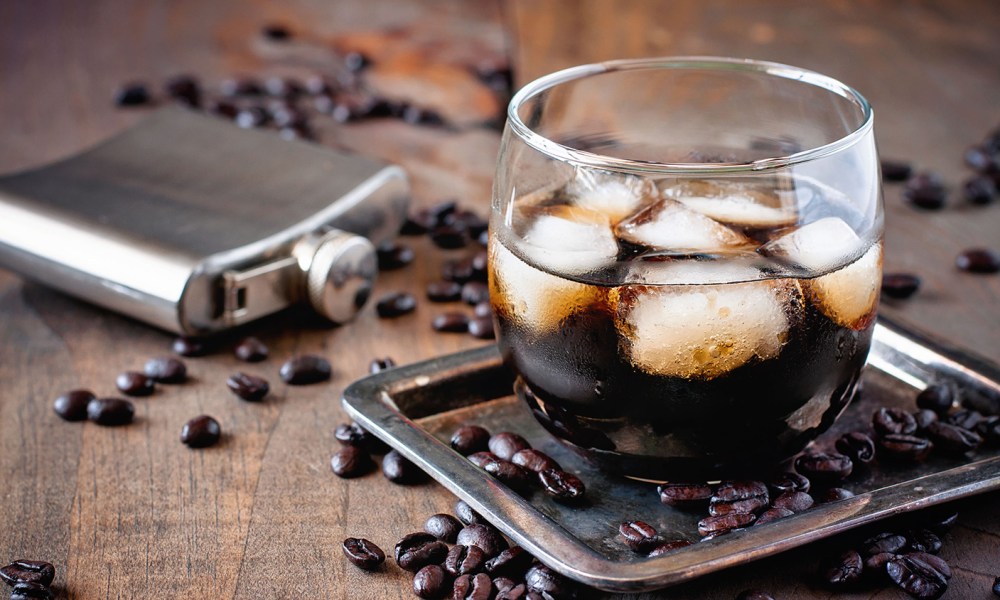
[{"x": 600, "y": 161}]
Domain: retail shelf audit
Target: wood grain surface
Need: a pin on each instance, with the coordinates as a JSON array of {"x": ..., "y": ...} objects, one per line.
[{"x": 131, "y": 513}]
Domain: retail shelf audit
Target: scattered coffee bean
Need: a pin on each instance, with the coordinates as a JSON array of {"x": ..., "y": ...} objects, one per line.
[
  {"x": 351, "y": 461},
  {"x": 363, "y": 553},
  {"x": 980, "y": 189},
  {"x": 835, "y": 494},
  {"x": 444, "y": 291},
  {"x": 482, "y": 328},
  {"x": 996, "y": 586},
  {"x": 924, "y": 418},
  {"x": 166, "y": 370},
  {"x": 738, "y": 497},
  {"x": 989, "y": 430},
  {"x": 926, "y": 190},
  {"x": 462, "y": 560},
  {"x": 887, "y": 541},
  {"x": 475, "y": 292},
  {"x": 110, "y": 411},
  {"x": 754, "y": 595},
  {"x": 393, "y": 255},
  {"x": 190, "y": 347},
  {"x": 893, "y": 420},
  {"x": 563, "y": 486},
  {"x": 451, "y": 322},
  {"x": 458, "y": 271},
  {"x": 874, "y": 565},
  {"x": 858, "y": 446},
  {"x": 444, "y": 527},
  {"x": 251, "y": 116},
  {"x": 725, "y": 522},
  {"x": 377, "y": 365},
  {"x": 794, "y": 501},
  {"x": 430, "y": 582},
  {"x": 938, "y": 397},
  {"x": 843, "y": 570},
  {"x": 979, "y": 260},
  {"x": 543, "y": 580},
  {"x": 900, "y": 286},
  {"x": 467, "y": 515},
  {"x": 283, "y": 87},
  {"x": 395, "y": 305},
  {"x": 132, "y": 94},
  {"x": 398, "y": 469},
  {"x": 185, "y": 89},
  {"x": 668, "y": 547},
  {"x": 504, "y": 584},
  {"x": 515, "y": 477},
  {"x": 919, "y": 574},
  {"x": 276, "y": 32},
  {"x": 966, "y": 419},
  {"x": 773, "y": 514},
  {"x": 201, "y": 432},
  {"x": 134, "y": 383},
  {"x": 305, "y": 369},
  {"x": 251, "y": 349},
  {"x": 512, "y": 562},
  {"x": 788, "y": 482},
  {"x": 534, "y": 460},
  {"x": 248, "y": 387},
  {"x": 953, "y": 440},
  {"x": 685, "y": 495},
  {"x": 72, "y": 406},
  {"x": 449, "y": 237},
  {"x": 241, "y": 86},
  {"x": 470, "y": 439},
  {"x": 894, "y": 170},
  {"x": 481, "y": 459},
  {"x": 981, "y": 160},
  {"x": 923, "y": 540},
  {"x": 506, "y": 443},
  {"x": 905, "y": 447},
  {"x": 419, "y": 549},
  {"x": 938, "y": 521},
  {"x": 824, "y": 468},
  {"x": 28, "y": 571},
  {"x": 483, "y": 309},
  {"x": 473, "y": 587},
  {"x": 486, "y": 537},
  {"x": 31, "y": 591},
  {"x": 639, "y": 536}
]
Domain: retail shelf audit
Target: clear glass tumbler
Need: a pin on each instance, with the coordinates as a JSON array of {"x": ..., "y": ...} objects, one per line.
[{"x": 685, "y": 259}]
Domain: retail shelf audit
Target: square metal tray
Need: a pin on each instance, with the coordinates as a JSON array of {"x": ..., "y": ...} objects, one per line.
[{"x": 416, "y": 408}]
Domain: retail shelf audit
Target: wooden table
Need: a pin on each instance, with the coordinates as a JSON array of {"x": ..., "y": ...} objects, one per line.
[{"x": 131, "y": 513}]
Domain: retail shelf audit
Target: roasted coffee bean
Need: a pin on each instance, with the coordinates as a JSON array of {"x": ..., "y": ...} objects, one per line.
[
  {"x": 996, "y": 586},
  {"x": 351, "y": 461},
  {"x": 894, "y": 170},
  {"x": 875, "y": 564},
  {"x": 483, "y": 309},
  {"x": 419, "y": 549},
  {"x": 110, "y": 411},
  {"x": 201, "y": 432},
  {"x": 482, "y": 328},
  {"x": 979, "y": 260},
  {"x": 444, "y": 291},
  {"x": 480, "y": 263},
  {"x": 283, "y": 87},
  {"x": 72, "y": 406},
  {"x": 484, "y": 239},
  {"x": 473, "y": 587},
  {"x": 470, "y": 439},
  {"x": 919, "y": 574},
  {"x": 924, "y": 418},
  {"x": 966, "y": 419},
  {"x": 926, "y": 190},
  {"x": 27, "y": 571},
  {"x": 192, "y": 347},
  {"x": 276, "y": 32},
  {"x": 31, "y": 591},
  {"x": 938, "y": 397},
  {"x": 132, "y": 94},
  {"x": 489, "y": 540},
  {"x": 393, "y": 255},
  {"x": 788, "y": 482},
  {"x": 251, "y": 116},
  {"x": 793, "y": 501},
  {"x": 893, "y": 420},
  {"x": 355, "y": 61},
  {"x": 534, "y": 460},
  {"x": 165, "y": 370},
  {"x": 458, "y": 271},
  {"x": 471, "y": 221},
  {"x": 443, "y": 526},
  {"x": 430, "y": 582},
  {"x": 980, "y": 189},
  {"x": 185, "y": 89},
  {"x": 543, "y": 580},
  {"x": 395, "y": 304},
  {"x": 451, "y": 322},
  {"x": 316, "y": 85},
  {"x": 905, "y": 447},
  {"x": 449, "y": 237},
  {"x": 738, "y": 497},
  {"x": 251, "y": 349},
  {"x": 240, "y": 86},
  {"x": 668, "y": 547},
  {"x": 442, "y": 210},
  {"x": 899, "y": 285},
  {"x": 474, "y": 292},
  {"x": 134, "y": 383},
  {"x": 398, "y": 469},
  {"x": 981, "y": 160},
  {"x": 502, "y": 583},
  {"x": 824, "y": 468},
  {"x": 506, "y": 443},
  {"x": 513, "y": 562},
  {"x": 772, "y": 514},
  {"x": 685, "y": 495},
  {"x": 639, "y": 536},
  {"x": 417, "y": 223},
  {"x": 923, "y": 540},
  {"x": 939, "y": 521},
  {"x": 725, "y": 522},
  {"x": 989, "y": 430},
  {"x": 835, "y": 493},
  {"x": 754, "y": 595},
  {"x": 481, "y": 459},
  {"x": 377, "y": 365},
  {"x": 462, "y": 560},
  {"x": 563, "y": 486},
  {"x": 843, "y": 570},
  {"x": 248, "y": 387},
  {"x": 509, "y": 592},
  {"x": 856, "y": 445},
  {"x": 467, "y": 515},
  {"x": 511, "y": 475},
  {"x": 305, "y": 369},
  {"x": 953, "y": 440},
  {"x": 883, "y": 542},
  {"x": 363, "y": 553}
]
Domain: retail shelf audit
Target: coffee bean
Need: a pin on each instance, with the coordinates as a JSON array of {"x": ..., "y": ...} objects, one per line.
[
  {"x": 843, "y": 570},
  {"x": 835, "y": 493},
  {"x": 939, "y": 521},
  {"x": 923, "y": 540},
  {"x": 773, "y": 514},
  {"x": 515, "y": 477},
  {"x": 875, "y": 565},
  {"x": 470, "y": 439},
  {"x": 685, "y": 495},
  {"x": 883, "y": 542},
  {"x": 905, "y": 447},
  {"x": 449, "y": 237},
  {"x": 201, "y": 432},
  {"x": 900, "y": 285},
  {"x": 443, "y": 526},
  {"x": 996, "y": 586},
  {"x": 248, "y": 387},
  {"x": 417, "y": 223},
  {"x": 893, "y": 420},
  {"x": 953, "y": 440},
  {"x": 481, "y": 459},
  {"x": 444, "y": 291},
  {"x": 451, "y": 322},
  {"x": 251, "y": 349},
  {"x": 363, "y": 553},
  {"x": 979, "y": 260},
  {"x": 926, "y": 190},
  {"x": 462, "y": 560},
  {"x": 668, "y": 547},
  {"x": 470, "y": 220},
  {"x": 919, "y": 574},
  {"x": 395, "y": 305},
  {"x": 459, "y": 271},
  {"x": 305, "y": 369},
  {"x": 482, "y": 328},
  {"x": 185, "y": 89},
  {"x": 475, "y": 292},
  {"x": 725, "y": 522},
  {"x": 938, "y": 397},
  {"x": 824, "y": 468},
  {"x": 473, "y": 587},
  {"x": 508, "y": 589},
  {"x": 27, "y": 571},
  {"x": 788, "y": 482},
  {"x": 186, "y": 346},
  {"x": 110, "y": 411},
  {"x": 981, "y": 160},
  {"x": 31, "y": 591},
  {"x": 483, "y": 309},
  {"x": 480, "y": 263},
  {"x": 251, "y": 116},
  {"x": 543, "y": 580},
  {"x": 858, "y": 446},
  {"x": 980, "y": 189},
  {"x": 966, "y": 419},
  {"x": 513, "y": 562},
  {"x": 754, "y": 595},
  {"x": 989, "y": 430},
  {"x": 351, "y": 461},
  {"x": 134, "y": 383},
  {"x": 563, "y": 486},
  {"x": 283, "y": 87},
  {"x": 738, "y": 497},
  {"x": 894, "y": 170},
  {"x": 240, "y": 86},
  {"x": 393, "y": 255},
  {"x": 639, "y": 536},
  {"x": 132, "y": 94},
  {"x": 534, "y": 460},
  {"x": 489, "y": 540},
  {"x": 793, "y": 501},
  {"x": 467, "y": 515},
  {"x": 276, "y": 32},
  {"x": 924, "y": 418},
  {"x": 430, "y": 582},
  {"x": 72, "y": 406},
  {"x": 398, "y": 469},
  {"x": 166, "y": 370},
  {"x": 506, "y": 443},
  {"x": 377, "y": 365},
  {"x": 419, "y": 549}
]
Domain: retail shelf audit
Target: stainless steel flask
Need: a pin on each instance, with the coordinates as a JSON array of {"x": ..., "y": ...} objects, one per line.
[{"x": 195, "y": 226}]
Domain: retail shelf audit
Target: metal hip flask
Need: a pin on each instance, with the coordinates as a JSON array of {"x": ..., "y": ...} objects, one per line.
[{"x": 195, "y": 226}]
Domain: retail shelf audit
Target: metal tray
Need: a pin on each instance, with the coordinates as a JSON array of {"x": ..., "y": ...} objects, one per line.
[{"x": 416, "y": 408}]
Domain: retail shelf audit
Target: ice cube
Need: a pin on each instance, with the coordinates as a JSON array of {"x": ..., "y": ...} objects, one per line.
[
  {"x": 611, "y": 194},
  {"x": 818, "y": 246},
  {"x": 668, "y": 225},
  {"x": 695, "y": 272},
  {"x": 704, "y": 331},
  {"x": 569, "y": 239},
  {"x": 737, "y": 203}
]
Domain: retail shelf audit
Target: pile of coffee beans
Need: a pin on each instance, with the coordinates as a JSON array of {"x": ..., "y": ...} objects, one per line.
[{"x": 29, "y": 579}]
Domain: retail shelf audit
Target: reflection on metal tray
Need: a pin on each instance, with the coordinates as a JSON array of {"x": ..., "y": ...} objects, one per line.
[{"x": 416, "y": 408}]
